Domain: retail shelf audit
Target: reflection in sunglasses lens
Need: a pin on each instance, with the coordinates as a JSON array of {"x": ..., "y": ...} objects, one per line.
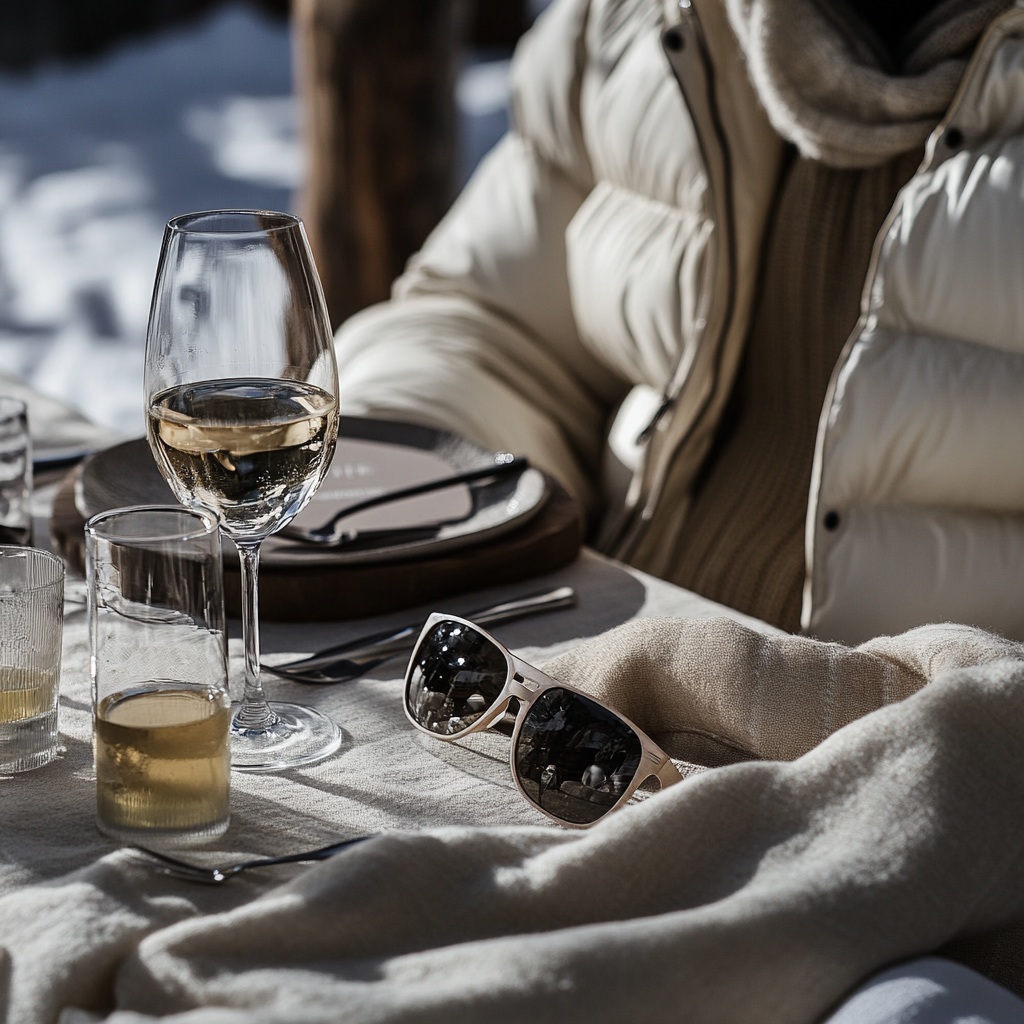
[
  {"x": 573, "y": 757},
  {"x": 456, "y": 676}
]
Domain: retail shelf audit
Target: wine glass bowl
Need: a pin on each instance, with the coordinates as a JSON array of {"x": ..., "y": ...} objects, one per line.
[
  {"x": 242, "y": 416},
  {"x": 250, "y": 449}
]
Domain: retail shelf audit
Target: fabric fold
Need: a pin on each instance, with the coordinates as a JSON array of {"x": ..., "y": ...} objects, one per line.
[
  {"x": 760, "y": 891},
  {"x": 690, "y": 681}
]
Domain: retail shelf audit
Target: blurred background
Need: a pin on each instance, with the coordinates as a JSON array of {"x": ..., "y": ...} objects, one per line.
[{"x": 118, "y": 114}]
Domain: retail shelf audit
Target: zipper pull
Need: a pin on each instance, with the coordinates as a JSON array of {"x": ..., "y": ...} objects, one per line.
[{"x": 645, "y": 435}]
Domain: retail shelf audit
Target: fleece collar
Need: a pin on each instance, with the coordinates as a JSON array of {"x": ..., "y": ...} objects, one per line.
[{"x": 829, "y": 87}]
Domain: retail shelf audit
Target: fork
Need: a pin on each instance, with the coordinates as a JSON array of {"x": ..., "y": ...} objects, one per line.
[
  {"x": 171, "y": 866},
  {"x": 357, "y": 657}
]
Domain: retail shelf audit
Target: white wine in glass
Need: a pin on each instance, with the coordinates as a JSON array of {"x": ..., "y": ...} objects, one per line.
[{"x": 242, "y": 412}]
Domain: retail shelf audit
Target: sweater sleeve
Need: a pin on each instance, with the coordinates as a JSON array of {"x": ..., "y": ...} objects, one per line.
[{"x": 479, "y": 336}]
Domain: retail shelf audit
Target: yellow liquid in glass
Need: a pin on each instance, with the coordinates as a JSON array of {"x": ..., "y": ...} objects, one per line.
[
  {"x": 162, "y": 758},
  {"x": 25, "y": 693}
]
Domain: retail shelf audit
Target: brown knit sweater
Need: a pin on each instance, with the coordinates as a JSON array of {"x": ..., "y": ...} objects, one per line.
[{"x": 743, "y": 543}]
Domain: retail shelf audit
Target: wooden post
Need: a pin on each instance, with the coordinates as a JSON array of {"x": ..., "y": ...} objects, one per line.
[{"x": 376, "y": 82}]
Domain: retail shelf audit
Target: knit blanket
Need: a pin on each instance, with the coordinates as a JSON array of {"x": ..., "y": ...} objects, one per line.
[{"x": 869, "y": 806}]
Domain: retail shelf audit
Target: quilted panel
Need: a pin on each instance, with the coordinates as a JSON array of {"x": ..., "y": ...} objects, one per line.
[
  {"x": 885, "y": 569},
  {"x": 635, "y": 268}
]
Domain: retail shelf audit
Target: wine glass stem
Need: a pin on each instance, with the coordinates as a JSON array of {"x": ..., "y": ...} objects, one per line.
[{"x": 255, "y": 712}]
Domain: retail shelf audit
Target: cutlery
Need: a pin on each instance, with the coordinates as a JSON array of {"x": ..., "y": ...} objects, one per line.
[
  {"x": 356, "y": 657},
  {"x": 330, "y": 535},
  {"x": 175, "y": 868}
]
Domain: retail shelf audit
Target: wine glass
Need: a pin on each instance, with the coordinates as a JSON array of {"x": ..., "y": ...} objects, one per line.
[{"x": 242, "y": 416}]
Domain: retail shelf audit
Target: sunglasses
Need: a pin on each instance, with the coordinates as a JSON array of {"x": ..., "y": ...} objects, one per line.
[{"x": 572, "y": 757}]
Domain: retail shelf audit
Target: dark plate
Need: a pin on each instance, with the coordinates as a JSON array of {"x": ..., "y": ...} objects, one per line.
[{"x": 373, "y": 456}]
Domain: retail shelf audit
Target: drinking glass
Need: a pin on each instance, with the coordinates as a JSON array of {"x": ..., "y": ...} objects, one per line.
[
  {"x": 159, "y": 664},
  {"x": 31, "y": 626},
  {"x": 15, "y": 473},
  {"x": 242, "y": 411}
]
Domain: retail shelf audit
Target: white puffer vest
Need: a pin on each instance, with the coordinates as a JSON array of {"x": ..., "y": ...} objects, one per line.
[
  {"x": 613, "y": 241},
  {"x": 916, "y": 510}
]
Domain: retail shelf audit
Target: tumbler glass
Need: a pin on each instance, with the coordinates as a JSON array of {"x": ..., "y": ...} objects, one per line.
[
  {"x": 158, "y": 658},
  {"x": 15, "y": 473},
  {"x": 31, "y": 626}
]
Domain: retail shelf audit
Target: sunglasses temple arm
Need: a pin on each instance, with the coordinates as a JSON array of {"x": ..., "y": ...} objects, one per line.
[{"x": 668, "y": 774}]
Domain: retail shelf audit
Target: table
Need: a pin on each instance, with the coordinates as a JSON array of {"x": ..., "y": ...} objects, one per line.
[
  {"x": 386, "y": 775},
  {"x": 73, "y": 906}
]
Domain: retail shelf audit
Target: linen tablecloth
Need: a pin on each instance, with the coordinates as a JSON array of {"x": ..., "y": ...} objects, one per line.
[
  {"x": 386, "y": 776},
  {"x": 763, "y": 891}
]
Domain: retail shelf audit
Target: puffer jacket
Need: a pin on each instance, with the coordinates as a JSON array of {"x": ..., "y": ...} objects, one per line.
[{"x": 587, "y": 298}]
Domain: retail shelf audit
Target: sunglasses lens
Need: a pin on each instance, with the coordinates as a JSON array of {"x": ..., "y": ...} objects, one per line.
[
  {"x": 455, "y": 676},
  {"x": 573, "y": 757}
]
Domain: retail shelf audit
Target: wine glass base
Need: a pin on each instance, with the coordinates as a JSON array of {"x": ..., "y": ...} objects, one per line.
[{"x": 300, "y": 736}]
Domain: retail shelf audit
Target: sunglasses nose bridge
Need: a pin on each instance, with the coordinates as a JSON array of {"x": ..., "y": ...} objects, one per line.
[{"x": 523, "y": 688}]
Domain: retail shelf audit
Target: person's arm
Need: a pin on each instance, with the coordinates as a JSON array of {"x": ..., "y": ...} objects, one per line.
[{"x": 479, "y": 336}]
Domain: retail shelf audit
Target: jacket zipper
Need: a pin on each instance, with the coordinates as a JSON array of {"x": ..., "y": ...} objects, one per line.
[{"x": 680, "y": 38}]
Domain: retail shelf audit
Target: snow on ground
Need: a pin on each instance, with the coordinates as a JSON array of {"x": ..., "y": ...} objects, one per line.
[{"x": 94, "y": 158}]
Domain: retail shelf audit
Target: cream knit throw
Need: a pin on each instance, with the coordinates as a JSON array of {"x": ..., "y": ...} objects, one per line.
[
  {"x": 824, "y": 82},
  {"x": 760, "y": 892}
]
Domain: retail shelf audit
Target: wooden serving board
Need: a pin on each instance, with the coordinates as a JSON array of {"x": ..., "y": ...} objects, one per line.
[{"x": 323, "y": 592}]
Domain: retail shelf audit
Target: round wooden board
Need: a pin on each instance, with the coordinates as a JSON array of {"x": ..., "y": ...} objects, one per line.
[{"x": 330, "y": 593}]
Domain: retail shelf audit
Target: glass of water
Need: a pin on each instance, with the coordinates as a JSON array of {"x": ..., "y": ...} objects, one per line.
[
  {"x": 15, "y": 473},
  {"x": 31, "y": 627},
  {"x": 158, "y": 650}
]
